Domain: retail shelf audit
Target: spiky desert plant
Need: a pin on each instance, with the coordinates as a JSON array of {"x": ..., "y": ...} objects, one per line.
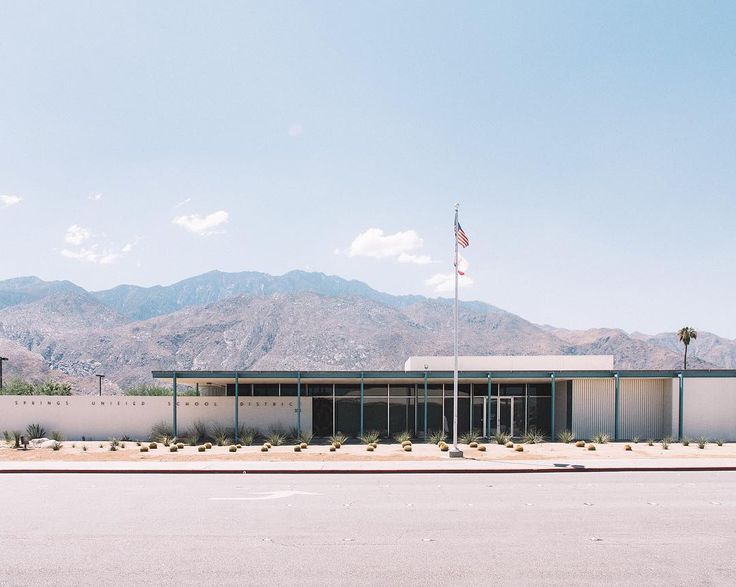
[
  {"x": 6, "y": 436},
  {"x": 246, "y": 435},
  {"x": 636, "y": 440},
  {"x": 702, "y": 441},
  {"x": 305, "y": 437},
  {"x": 161, "y": 430},
  {"x": 501, "y": 437},
  {"x": 402, "y": 437},
  {"x": 650, "y": 442},
  {"x": 685, "y": 335},
  {"x": 57, "y": 445},
  {"x": 533, "y": 436},
  {"x": 566, "y": 436},
  {"x": 220, "y": 435},
  {"x": 199, "y": 431},
  {"x": 35, "y": 431},
  {"x": 685, "y": 441},
  {"x": 114, "y": 444},
  {"x": 719, "y": 442},
  {"x": 369, "y": 437},
  {"x": 470, "y": 436},
  {"x": 665, "y": 443},
  {"x": 57, "y": 436},
  {"x": 275, "y": 438},
  {"x": 601, "y": 438},
  {"x": 84, "y": 448},
  {"x": 436, "y": 436},
  {"x": 338, "y": 438}
]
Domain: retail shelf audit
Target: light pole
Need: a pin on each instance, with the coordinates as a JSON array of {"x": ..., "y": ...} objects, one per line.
[
  {"x": 100, "y": 378},
  {"x": 1, "y": 370}
]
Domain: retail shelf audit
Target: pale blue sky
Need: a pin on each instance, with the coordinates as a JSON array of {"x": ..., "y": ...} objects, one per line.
[{"x": 590, "y": 144}]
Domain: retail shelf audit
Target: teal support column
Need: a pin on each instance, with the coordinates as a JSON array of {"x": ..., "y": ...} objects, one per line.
[
  {"x": 489, "y": 432},
  {"x": 616, "y": 407},
  {"x": 173, "y": 403},
  {"x": 237, "y": 402},
  {"x": 362, "y": 402},
  {"x": 426, "y": 406},
  {"x": 552, "y": 410},
  {"x": 681, "y": 411},
  {"x": 196, "y": 388},
  {"x": 299, "y": 404}
]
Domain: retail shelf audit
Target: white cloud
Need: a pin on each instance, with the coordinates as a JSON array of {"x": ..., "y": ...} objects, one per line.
[
  {"x": 202, "y": 225},
  {"x": 127, "y": 248},
  {"x": 76, "y": 235},
  {"x": 93, "y": 254},
  {"x": 445, "y": 282},
  {"x": 183, "y": 203},
  {"x": 416, "y": 259},
  {"x": 374, "y": 243},
  {"x": 296, "y": 130},
  {"x": 8, "y": 201},
  {"x": 95, "y": 197}
]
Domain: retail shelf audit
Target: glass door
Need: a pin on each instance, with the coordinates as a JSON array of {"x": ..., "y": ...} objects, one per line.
[{"x": 511, "y": 416}]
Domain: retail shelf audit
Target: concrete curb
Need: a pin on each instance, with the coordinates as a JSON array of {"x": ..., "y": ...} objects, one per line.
[{"x": 363, "y": 471}]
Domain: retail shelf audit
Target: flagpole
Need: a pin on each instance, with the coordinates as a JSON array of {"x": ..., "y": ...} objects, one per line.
[{"x": 455, "y": 452}]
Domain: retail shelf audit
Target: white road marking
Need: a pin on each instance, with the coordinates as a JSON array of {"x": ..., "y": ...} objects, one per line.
[{"x": 264, "y": 495}]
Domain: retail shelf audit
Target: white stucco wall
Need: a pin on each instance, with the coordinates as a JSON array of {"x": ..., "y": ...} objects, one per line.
[
  {"x": 709, "y": 407},
  {"x": 103, "y": 417}
]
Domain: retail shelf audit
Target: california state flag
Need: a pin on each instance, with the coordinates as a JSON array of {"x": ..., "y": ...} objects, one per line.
[{"x": 462, "y": 264}]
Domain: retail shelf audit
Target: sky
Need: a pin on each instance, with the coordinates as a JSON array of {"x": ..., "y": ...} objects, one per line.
[{"x": 591, "y": 147}]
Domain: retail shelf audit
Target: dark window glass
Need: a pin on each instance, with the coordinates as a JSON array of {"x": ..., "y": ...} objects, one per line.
[
  {"x": 347, "y": 415},
  {"x": 374, "y": 390},
  {"x": 401, "y": 418},
  {"x": 513, "y": 389},
  {"x": 401, "y": 390},
  {"x": 539, "y": 413},
  {"x": 540, "y": 389},
  {"x": 343, "y": 389},
  {"x": 434, "y": 390},
  {"x": 463, "y": 414},
  {"x": 478, "y": 414},
  {"x": 374, "y": 414},
  {"x": 322, "y": 416},
  {"x": 319, "y": 390},
  {"x": 289, "y": 389},
  {"x": 265, "y": 389}
]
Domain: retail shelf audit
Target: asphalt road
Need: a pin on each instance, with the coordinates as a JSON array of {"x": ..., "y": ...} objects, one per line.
[{"x": 591, "y": 528}]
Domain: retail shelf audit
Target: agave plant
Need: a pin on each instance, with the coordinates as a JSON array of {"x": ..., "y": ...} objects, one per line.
[
  {"x": 665, "y": 442},
  {"x": 702, "y": 441},
  {"x": 338, "y": 438},
  {"x": 566, "y": 436},
  {"x": 160, "y": 431},
  {"x": 369, "y": 437},
  {"x": 247, "y": 436},
  {"x": 470, "y": 436},
  {"x": 501, "y": 438},
  {"x": 402, "y": 437},
  {"x": 57, "y": 436},
  {"x": 57, "y": 445},
  {"x": 275, "y": 438},
  {"x": 198, "y": 431},
  {"x": 35, "y": 431},
  {"x": 220, "y": 435},
  {"x": 601, "y": 438},
  {"x": 436, "y": 436},
  {"x": 719, "y": 442},
  {"x": 685, "y": 441},
  {"x": 533, "y": 436}
]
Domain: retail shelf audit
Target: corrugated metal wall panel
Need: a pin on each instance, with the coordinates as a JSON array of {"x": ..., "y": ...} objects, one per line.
[
  {"x": 592, "y": 407},
  {"x": 642, "y": 408}
]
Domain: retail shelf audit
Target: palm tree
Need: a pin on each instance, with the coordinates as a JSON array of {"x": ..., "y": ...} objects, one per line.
[{"x": 686, "y": 334}]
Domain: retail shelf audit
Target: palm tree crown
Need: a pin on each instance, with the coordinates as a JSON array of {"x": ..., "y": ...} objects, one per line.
[{"x": 686, "y": 334}]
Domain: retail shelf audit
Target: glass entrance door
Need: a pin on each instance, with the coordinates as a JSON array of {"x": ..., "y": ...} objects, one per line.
[{"x": 511, "y": 416}]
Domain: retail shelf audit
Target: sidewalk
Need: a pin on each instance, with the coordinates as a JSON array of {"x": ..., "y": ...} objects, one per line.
[{"x": 362, "y": 467}]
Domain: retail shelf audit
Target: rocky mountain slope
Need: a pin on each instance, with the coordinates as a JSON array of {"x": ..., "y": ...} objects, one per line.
[{"x": 298, "y": 320}]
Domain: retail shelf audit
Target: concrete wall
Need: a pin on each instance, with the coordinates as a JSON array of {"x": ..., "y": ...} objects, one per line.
[
  {"x": 642, "y": 405},
  {"x": 104, "y": 417},
  {"x": 709, "y": 407},
  {"x": 561, "y": 406}
]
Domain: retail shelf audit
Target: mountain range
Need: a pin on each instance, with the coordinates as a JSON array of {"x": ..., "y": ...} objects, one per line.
[{"x": 300, "y": 320}]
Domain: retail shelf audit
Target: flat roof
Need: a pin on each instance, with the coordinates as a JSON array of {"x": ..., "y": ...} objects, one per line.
[{"x": 221, "y": 377}]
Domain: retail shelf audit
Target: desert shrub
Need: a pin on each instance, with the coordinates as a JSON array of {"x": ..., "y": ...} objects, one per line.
[
  {"x": 719, "y": 442},
  {"x": 305, "y": 437},
  {"x": 19, "y": 387},
  {"x": 533, "y": 436},
  {"x": 57, "y": 445},
  {"x": 650, "y": 442},
  {"x": 6, "y": 436},
  {"x": 401, "y": 437},
  {"x": 501, "y": 437},
  {"x": 220, "y": 435},
  {"x": 636, "y": 440},
  {"x": 470, "y": 436},
  {"x": 114, "y": 444},
  {"x": 436, "y": 436},
  {"x": 161, "y": 430},
  {"x": 275, "y": 438},
  {"x": 16, "y": 434},
  {"x": 601, "y": 438},
  {"x": 84, "y": 448},
  {"x": 685, "y": 441},
  {"x": 340, "y": 438},
  {"x": 566, "y": 436},
  {"x": 247, "y": 436},
  {"x": 189, "y": 440},
  {"x": 369, "y": 437},
  {"x": 702, "y": 441},
  {"x": 665, "y": 442},
  {"x": 35, "y": 431},
  {"x": 125, "y": 438},
  {"x": 157, "y": 390}
]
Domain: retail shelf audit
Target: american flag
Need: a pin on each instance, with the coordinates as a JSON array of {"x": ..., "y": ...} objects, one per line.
[{"x": 462, "y": 238}]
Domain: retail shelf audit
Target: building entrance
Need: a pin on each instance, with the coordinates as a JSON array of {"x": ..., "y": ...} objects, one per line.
[{"x": 511, "y": 415}]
